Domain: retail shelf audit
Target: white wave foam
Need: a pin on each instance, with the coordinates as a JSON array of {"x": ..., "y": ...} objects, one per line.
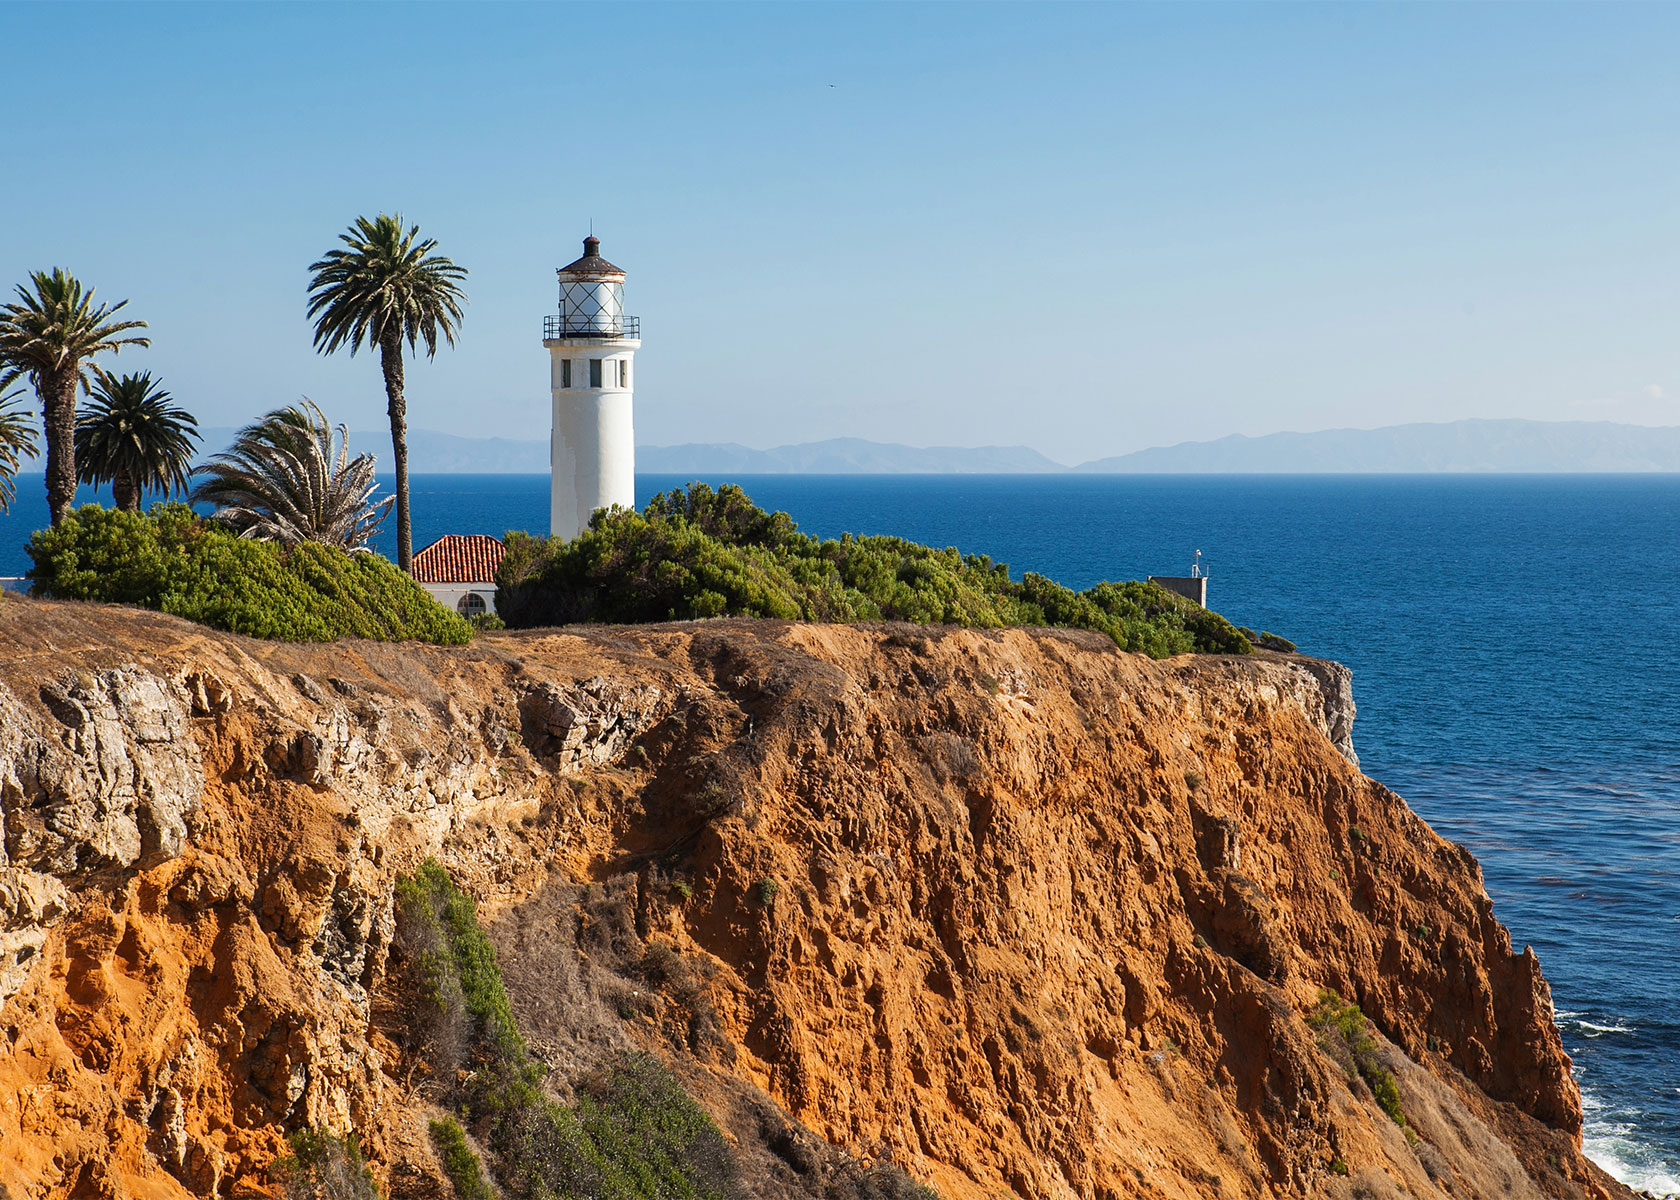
[
  {"x": 1592, "y": 1029},
  {"x": 1615, "y": 1146},
  {"x": 1655, "y": 1178}
]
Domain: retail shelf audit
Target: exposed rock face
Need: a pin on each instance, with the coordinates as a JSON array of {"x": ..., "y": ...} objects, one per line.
[
  {"x": 1025, "y": 914},
  {"x": 589, "y": 725},
  {"x": 106, "y": 777},
  {"x": 1335, "y": 687}
]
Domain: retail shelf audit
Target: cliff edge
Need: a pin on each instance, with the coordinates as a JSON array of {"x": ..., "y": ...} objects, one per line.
[{"x": 1014, "y": 911}]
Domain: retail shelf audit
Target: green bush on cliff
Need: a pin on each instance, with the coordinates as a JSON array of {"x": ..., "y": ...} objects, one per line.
[
  {"x": 462, "y": 1166},
  {"x": 176, "y": 562},
  {"x": 1341, "y": 1032},
  {"x": 704, "y": 553},
  {"x": 1267, "y": 641},
  {"x": 461, "y": 986},
  {"x": 323, "y": 1166},
  {"x": 633, "y": 1133}
]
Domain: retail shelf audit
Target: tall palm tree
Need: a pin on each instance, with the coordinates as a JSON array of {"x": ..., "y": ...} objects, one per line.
[
  {"x": 17, "y": 442},
  {"x": 290, "y": 478},
  {"x": 49, "y": 336},
  {"x": 387, "y": 287},
  {"x": 134, "y": 438}
]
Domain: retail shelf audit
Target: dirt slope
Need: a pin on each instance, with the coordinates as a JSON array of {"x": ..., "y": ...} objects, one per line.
[{"x": 1022, "y": 914}]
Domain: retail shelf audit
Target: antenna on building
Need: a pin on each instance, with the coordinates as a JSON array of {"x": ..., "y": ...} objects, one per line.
[{"x": 1197, "y": 571}]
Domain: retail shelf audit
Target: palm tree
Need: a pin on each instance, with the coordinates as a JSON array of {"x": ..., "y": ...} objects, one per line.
[
  {"x": 289, "y": 478},
  {"x": 386, "y": 288},
  {"x": 49, "y": 336},
  {"x": 135, "y": 439},
  {"x": 17, "y": 442}
]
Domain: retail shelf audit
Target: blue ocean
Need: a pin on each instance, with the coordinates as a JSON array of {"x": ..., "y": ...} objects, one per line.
[{"x": 1515, "y": 643}]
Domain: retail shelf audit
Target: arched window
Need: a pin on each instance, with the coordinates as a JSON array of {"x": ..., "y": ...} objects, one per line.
[{"x": 471, "y": 605}]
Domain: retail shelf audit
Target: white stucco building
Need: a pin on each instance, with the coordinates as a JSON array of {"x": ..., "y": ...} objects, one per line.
[
  {"x": 459, "y": 570},
  {"x": 592, "y": 346}
]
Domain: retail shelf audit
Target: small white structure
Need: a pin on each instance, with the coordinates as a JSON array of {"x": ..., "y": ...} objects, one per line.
[
  {"x": 591, "y": 345},
  {"x": 459, "y": 570},
  {"x": 1192, "y": 586}
]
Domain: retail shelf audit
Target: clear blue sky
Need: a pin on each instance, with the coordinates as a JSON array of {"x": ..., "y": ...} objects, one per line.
[{"x": 1088, "y": 229}]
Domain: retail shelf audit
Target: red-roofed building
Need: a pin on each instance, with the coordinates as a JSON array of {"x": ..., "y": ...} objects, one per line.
[{"x": 459, "y": 570}]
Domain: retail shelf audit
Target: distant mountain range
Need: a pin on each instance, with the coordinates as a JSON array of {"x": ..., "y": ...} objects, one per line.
[
  {"x": 842, "y": 456},
  {"x": 429, "y": 452},
  {"x": 1473, "y": 446},
  {"x": 1456, "y": 446}
]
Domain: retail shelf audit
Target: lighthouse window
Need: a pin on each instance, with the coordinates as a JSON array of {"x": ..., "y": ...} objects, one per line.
[
  {"x": 565, "y": 372},
  {"x": 623, "y": 372},
  {"x": 594, "y": 372}
]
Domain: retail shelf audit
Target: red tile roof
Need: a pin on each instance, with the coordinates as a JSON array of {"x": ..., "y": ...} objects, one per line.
[{"x": 459, "y": 558}]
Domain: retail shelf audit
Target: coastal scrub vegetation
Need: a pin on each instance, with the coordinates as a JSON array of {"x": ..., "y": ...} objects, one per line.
[
  {"x": 702, "y": 553},
  {"x": 1340, "y": 1026},
  {"x": 323, "y": 1166},
  {"x": 177, "y": 562},
  {"x": 632, "y": 1132},
  {"x": 460, "y": 1163},
  {"x": 1267, "y": 641}
]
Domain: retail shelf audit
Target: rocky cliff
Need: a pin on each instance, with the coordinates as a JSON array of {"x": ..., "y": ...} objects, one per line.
[{"x": 1015, "y": 911}]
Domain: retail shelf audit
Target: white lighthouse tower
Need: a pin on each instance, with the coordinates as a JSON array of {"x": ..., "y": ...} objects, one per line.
[{"x": 592, "y": 449}]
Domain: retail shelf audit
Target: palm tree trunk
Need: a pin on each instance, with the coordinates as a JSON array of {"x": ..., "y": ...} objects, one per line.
[
  {"x": 390, "y": 357},
  {"x": 58, "y": 420},
  {"x": 125, "y": 492}
]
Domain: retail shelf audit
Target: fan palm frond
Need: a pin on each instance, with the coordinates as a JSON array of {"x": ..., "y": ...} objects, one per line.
[
  {"x": 290, "y": 478},
  {"x": 17, "y": 442},
  {"x": 133, "y": 437}
]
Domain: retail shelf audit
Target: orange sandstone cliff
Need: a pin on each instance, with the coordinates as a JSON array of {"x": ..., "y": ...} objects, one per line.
[{"x": 1020, "y": 913}]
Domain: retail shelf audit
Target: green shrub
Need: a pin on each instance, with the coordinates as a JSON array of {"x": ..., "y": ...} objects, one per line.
[
  {"x": 634, "y": 1134},
  {"x": 439, "y": 925},
  {"x": 1387, "y": 1092},
  {"x": 1267, "y": 641},
  {"x": 652, "y": 1140},
  {"x": 764, "y": 891},
  {"x": 459, "y": 1161},
  {"x": 703, "y": 553},
  {"x": 486, "y": 622},
  {"x": 1342, "y": 1033},
  {"x": 176, "y": 562},
  {"x": 323, "y": 1166}
]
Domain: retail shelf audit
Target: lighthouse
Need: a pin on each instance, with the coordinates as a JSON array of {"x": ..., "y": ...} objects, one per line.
[{"x": 591, "y": 346}]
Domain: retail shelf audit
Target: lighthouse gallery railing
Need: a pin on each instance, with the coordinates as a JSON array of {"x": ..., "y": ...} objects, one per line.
[{"x": 598, "y": 325}]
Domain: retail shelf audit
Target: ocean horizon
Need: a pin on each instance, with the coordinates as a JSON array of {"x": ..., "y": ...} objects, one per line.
[{"x": 1510, "y": 641}]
